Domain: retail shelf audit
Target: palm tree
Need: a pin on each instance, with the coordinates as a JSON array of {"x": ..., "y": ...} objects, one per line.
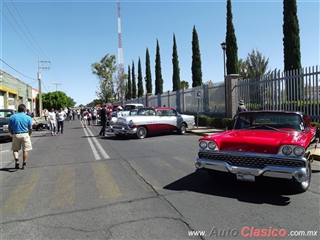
[{"x": 184, "y": 84}]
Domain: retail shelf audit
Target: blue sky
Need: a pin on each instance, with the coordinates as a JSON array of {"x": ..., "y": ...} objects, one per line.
[{"x": 74, "y": 34}]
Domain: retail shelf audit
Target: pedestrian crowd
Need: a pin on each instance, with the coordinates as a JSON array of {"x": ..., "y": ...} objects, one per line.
[{"x": 21, "y": 124}]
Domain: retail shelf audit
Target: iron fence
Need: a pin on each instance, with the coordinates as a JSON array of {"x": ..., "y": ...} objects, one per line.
[{"x": 296, "y": 90}]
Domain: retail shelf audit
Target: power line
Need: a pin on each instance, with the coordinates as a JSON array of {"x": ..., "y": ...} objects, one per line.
[
  {"x": 29, "y": 30},
  {"x": 18, "y": 34},
  {"x": 18, "y": 71}
]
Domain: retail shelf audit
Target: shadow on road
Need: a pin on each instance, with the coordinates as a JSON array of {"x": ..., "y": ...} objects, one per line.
[
  {"x": 262, "y": 191},
  {"x": 8, "y": 170}
]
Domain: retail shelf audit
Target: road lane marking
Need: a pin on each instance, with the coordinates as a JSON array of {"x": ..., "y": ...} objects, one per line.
[
  {"x": 96, "y": 146},
  {"x": 64, "y": 192},
  {"x": 155, "y": 184},
  {"x": 185, "y": 161},
  {"x": 20, "y": 194},
  {"x": 136, "y": 178},
  {"x": 105, "y": 183}
]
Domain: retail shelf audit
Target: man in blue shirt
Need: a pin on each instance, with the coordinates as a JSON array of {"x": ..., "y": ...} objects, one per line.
[{"x": 20, "y": 127}]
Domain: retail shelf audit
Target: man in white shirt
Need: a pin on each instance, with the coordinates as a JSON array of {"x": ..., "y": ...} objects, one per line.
[
  {"x": 52, "y": 120},
  {"x": 61, "y": 116}
]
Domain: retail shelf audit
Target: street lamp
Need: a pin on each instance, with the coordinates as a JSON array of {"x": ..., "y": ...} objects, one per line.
[
  {"x": 224, "y": 47},
  {"x": 56, "y": 85}
]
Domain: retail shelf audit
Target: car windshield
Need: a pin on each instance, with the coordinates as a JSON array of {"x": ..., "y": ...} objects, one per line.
[
  {"x": 272, "y": 121},
  {"x": 5, "y": 113}
]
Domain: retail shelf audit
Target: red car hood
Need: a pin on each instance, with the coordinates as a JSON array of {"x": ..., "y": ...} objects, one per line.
[{"x": 260, "y": 141}]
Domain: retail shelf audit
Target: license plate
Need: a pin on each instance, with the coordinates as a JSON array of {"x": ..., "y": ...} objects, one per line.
[{"x": 245, "y": 177}]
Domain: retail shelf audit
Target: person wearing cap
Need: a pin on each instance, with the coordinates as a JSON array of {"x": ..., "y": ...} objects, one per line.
[
  {"x": 241, "y": 107},
  {"x": 118, "y": 112}
]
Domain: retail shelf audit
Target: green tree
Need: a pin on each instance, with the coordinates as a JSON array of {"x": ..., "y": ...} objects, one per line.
[
  {"x": 140, "y": 83},
  {"x": 148, "y": 77},
  {"x": 129, "y": 87},
  {"x": 253, "y": 68},
  {"x": 243, "y": 70},
  {"x": 158, "y": 80},
  {"x": 176, "y": 70},
  {"x": 134, "y": 85},
  {"x": 184, "y": 84},
  {"x": 291, "y": 36},
  {"x": 56, "y": 100},
  {"x": 256, "y": 64},
  {"x": 196, "y": 60},
  {"x": 231, "y": 41},
  {"x": 291, "y": 48},
  {"x": 104, "y": 71}
]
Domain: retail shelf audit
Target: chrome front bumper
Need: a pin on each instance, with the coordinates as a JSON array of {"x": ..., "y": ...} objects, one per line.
[
  {"x": 299, "y": 174},
  {"x": 124, "y": 130}
]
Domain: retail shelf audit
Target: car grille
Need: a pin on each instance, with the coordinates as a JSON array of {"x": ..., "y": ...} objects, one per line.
[{"x": 252, "y": 161}]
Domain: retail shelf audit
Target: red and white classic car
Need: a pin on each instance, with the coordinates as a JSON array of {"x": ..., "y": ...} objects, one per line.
[
  {"x": 277, "y": 144},
  {"x": 153, "y": 120}
]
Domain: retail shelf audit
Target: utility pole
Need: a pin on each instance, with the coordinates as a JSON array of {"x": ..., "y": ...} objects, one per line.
[
  {"x": 55, "y": 83},
  {"x": 41, "y": 66}
]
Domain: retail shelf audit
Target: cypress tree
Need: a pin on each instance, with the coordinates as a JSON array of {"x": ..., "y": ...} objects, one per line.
[
  {"x": 140, "y": 84},
  {"x": 196, "y": 60},
  {"x": 134, "y": 85},
  {"x": 158, "y": 80},
  {"x": 291, "y": 49},
  {"x": 176, "y": 70},
  {"x": 291, "y": 37},
  {"x": 129, "y": 87},
  {"x": 148, "y": 77},
  {"x": 231, "y": 41}
]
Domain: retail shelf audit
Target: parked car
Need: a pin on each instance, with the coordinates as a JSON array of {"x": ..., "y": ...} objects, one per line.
[
  {"x": 276, "y": 144},
  {"x": 128, "y": 108},
  {"x": 4, "y": 119},
  {"x": 39, "y": 126},
  {"x": 152, "y": 120}
]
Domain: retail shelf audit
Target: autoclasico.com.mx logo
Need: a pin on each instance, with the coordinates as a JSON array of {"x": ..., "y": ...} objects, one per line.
[{"x": 252, "y": 232}]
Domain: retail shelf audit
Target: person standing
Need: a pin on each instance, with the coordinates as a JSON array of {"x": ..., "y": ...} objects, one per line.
[
  {"x": 20, "y": 127},
  {"x": 94, "y": 116},
  {"x": 89, "y": 117},
  {"x": 241, "y": 107},
  {"x": 53, "y": 122},
  {"x": 118, "y": 112},
  {"x": 61, "y": 116},
  {"x": 46, "y": 113},
  {"x": 103, "y": 119},
  {"x": 85, "y": 118}
]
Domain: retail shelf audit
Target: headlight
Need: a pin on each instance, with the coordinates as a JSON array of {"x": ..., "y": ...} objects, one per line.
[
  {"x": 203, "y": 145},
  {"x": 5, "y": 127},
  {"x": 212, "y": 145},
  {"x": 299, "y": 151},
  {"x": 287, "y": 150},
  {"x": 131, "y": 123}
]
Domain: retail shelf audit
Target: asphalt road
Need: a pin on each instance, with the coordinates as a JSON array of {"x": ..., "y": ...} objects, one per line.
[{"x": 79, "y": 185}]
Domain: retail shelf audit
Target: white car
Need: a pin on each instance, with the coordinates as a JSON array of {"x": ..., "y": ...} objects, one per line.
[{"x": 153, "y": 120}]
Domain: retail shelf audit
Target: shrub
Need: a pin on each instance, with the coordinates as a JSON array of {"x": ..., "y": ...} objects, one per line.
[
  {"x": 203, "y": 120},
  {"x": 228, "y": 123}
]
